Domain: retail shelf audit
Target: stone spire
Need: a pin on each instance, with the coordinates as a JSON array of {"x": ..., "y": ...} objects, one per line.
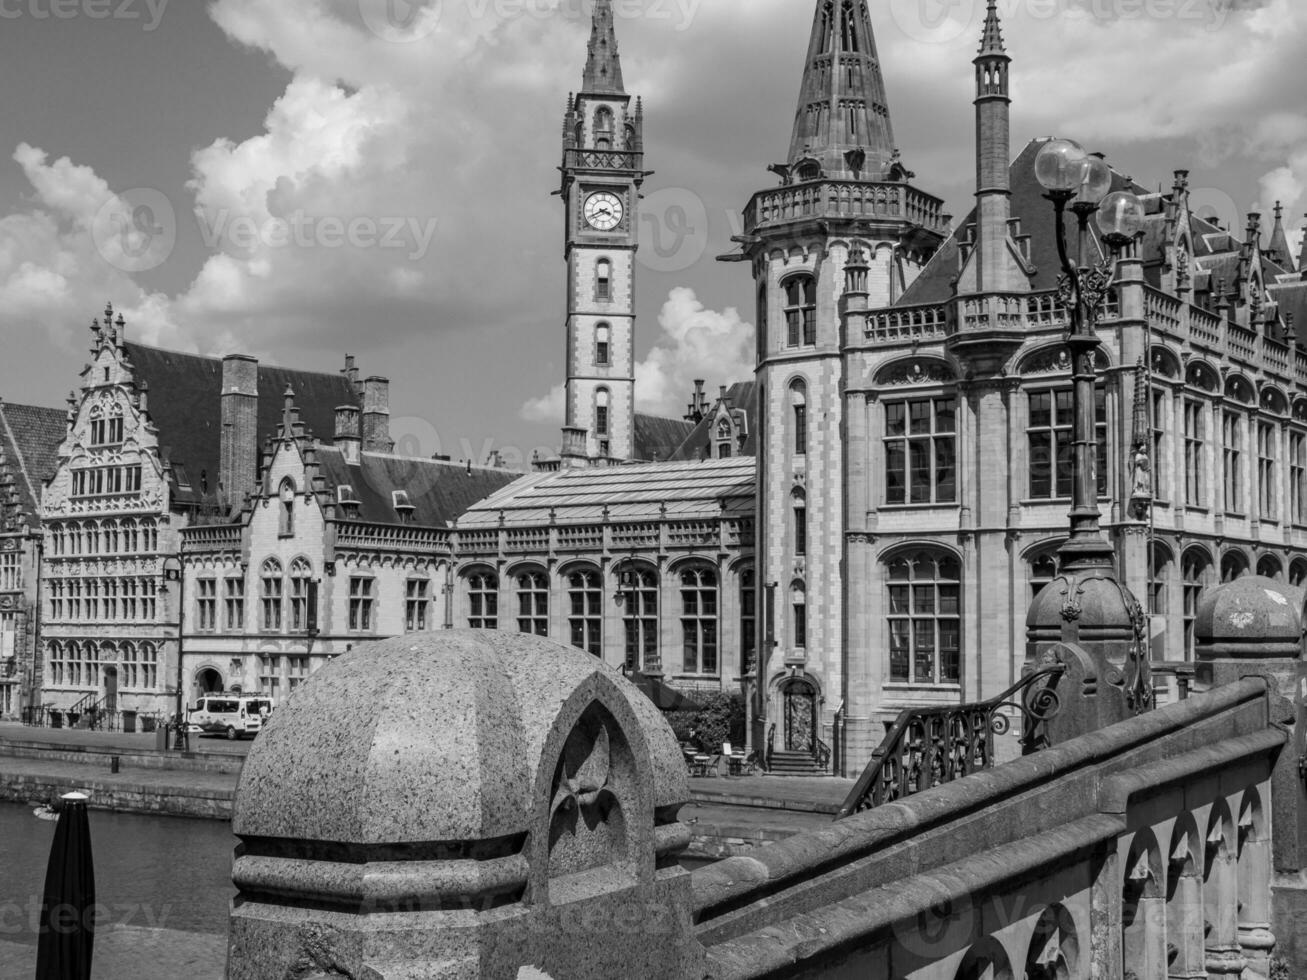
[
  {"x": 991, "y": 42},
  {"x": 1278, "y": 249},
  {"x": 843, "y": 119},
  {"x": 603, "y": 67}
]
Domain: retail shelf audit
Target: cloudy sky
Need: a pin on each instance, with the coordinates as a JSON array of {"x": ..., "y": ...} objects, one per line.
[{"x": 299, "y": 179}]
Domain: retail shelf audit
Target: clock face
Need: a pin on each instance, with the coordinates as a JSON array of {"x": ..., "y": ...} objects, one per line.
[{"x": 603, "y": 211}]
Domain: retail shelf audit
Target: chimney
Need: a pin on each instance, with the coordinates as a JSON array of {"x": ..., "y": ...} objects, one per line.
[
  {"x": 348, "y": 439},
  {"x": 238, "y": 454},
  {"x": 351, "y": 374},
  {"x": 376, "y": 416},
  {"x": 573, "y": 452}
]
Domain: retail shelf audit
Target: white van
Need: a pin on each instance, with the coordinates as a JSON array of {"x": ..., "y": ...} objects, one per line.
[{"x": 233, "y": 715}]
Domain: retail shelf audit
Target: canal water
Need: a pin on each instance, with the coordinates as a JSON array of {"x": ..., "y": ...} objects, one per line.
[{"x": 151, "y": 873}]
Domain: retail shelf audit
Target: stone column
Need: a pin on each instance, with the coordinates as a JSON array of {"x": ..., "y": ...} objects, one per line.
[
  {"x": 1184, "y": 923},
  {"x": 1105, "y": 947},
  {"x": 1220, "y": 900},
  {"x": 1254, "y": 877}
]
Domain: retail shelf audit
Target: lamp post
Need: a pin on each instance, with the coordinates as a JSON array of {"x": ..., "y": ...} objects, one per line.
[{"x": 1081, "y": 183}]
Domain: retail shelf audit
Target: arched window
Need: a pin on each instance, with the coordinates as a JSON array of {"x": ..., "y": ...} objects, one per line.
[
  {"x": 1050, "y": 440},
  {"x": 800, "y": 311},
  {"x": 110, "y": 538},
  {"x": 149, "y": 536},
  {"x": 1043, "y": 569},
  {"x": 639, "y": 590},
  {"x": 301, "y": 588},
  {"x": 603, "y": 128},
  {"x": 1195, "y": 439},
  {"x": 1298, "y": 572},
  {"x": 148, "y": 675},
  {"x": 130, "y": 539},
  {"x": 1161, "y": 573},
  {"x": 55, "y": 659},
  {"x": 533, "y": 603},
  {"x": 1269, "y": 566},
  {"x": 925, "y": 630},
  {"x": 1234, "y": 564},
  {"x": 286, "y": 495},
  {"x": 748, "y": 619},
  {"x": 131, "y": 675},
  {"x": 699, "y": 620},
  {"x": 116, "y": 424},
  {"x": 799, "y": 401},
  {"x": 1232, "y": 457},
  {"x": 799, "y": 614},
  {"x": 602, "y": 400},
  {"x": 271, "y": 594},
  {"x": 603, "y": 345},
  {"x": 585, "y": 598},
  {"x": 800, "y": 507},
  {"x": 603, "y": 280},
  {"x": 483, "y": 601},
  {"x": 1196, "y": 571}
]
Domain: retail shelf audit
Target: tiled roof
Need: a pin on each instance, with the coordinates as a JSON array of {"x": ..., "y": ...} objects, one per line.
[
  {"x": 698, "y": 445},
  {"x": 635, "y": 492},
  {"x": 1292, "y": 298},
  {"x": 184, "y": 404},
  {"x": 440, "y": 491},
  {"x": 31, "y": 437},
  {"x": 658, "y": 438}
]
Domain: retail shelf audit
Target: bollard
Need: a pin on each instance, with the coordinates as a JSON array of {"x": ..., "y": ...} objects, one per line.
[{"x": 113, "y": 763}]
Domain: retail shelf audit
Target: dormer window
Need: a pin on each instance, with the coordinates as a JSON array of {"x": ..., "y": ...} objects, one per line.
[
  {"x": 403, "y": 507},
  {"x": 345, "y": 499}
]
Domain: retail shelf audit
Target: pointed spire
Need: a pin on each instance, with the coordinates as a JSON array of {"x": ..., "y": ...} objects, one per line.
[
  {"x": 603, "y": 68},
  {"x": 843, "y": 120},
  {"x": 1278, "y": 249},
  {"x": 991, "y": 42}
]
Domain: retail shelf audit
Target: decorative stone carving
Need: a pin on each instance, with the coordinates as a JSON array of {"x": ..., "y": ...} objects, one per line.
[{"x": 919, "y": 372}]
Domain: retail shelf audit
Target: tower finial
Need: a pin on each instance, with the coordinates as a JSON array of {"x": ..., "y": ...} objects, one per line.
[
  {"x": 603, "y": 67},
  {"x": 991, "y": 41},
  {"x": 1278, "y": 249}
]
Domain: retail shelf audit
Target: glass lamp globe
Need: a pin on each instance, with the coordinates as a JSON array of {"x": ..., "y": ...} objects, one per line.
[
  {"x": 1121, "y": 216},
  {"x": 1060, "y": 165},
  {"x": 1095, "y": 181}
]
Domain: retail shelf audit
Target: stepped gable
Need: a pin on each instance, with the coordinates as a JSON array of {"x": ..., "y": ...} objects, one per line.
[
  {"x": 658, "y": 438},
  {"x": 439, "y": 491},
  {"x": 184, "y": 402},
  {"x": 30, "y": 437},
  {"x": 635, "y": 492}
]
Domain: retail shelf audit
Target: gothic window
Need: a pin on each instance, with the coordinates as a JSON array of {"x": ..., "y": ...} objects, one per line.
[
  {"x": 1267, "y": 435},
  {"x": 130, "y": 539},
  {"x": 603, "y": 128},
  {"x": 800, "y": 310},
  {"x": 206, "y": 605},
  {"x": 639, "y": 587},
  {"x": 301, "y": 589},
  {"x": 286, "y": 521},
  {"x": 533, "y": 603},
  {"x": 585, "y": 598},
  {"x": 1050, "y": 437},
  {"x": 1298, "y": 573},
  {"x": 1043, "y": 569},
  {"x": 54, "y": 656},
  {"x": 99, "y": 429},
  {"x": 699, "y": 620},
  {"x": 109, "y": 540},
  {"x": 1268, "y": 566},
  {"x": 799, "y": 614},
  {"x": 148, "y": 666},
  {"x": 149, "y": 536},
  {"x": 849, "y": 27},
  {"x": 115, "y": 434},
  {"x": 417, "y": 605},
  {"x": 603, "y": 344},
  {"x": 297, "y": 672},
  {"x": 800, "y": 507},
  {"x": 603, "y": 280},
  {"x": 602, "y": 399},
  {"x": 924, "y": 621},
  {"x": 1159, "y": 445},
  {"x": 269, "y": 675},
  {"x": 234, "y": 602},
  {"x": 11, "y": 579},
  {"x": 748, "y": 618},
  {"x": 362, "y": 601},
  {"x": 921, "y": 451},
  {"x": 1160, "y": 574},
  {"x": 131, "y": 607},
  {"x": 1196, "y": 572},
  {"x": 1298, "y": 477},
  {"x": 483, "y": 601},
  {"x": 1195, "y": 477},
  {"x": 1232, "y": 456},
  {"x": 56, "y": 592},
  {"x": 272, "y": 594},
  {"x": 1234, "y": 564},
  {"x": 799, "y": 401}
]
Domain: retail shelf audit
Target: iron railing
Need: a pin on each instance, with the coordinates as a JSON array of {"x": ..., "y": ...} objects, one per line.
[
  {"x": 822, "y": 755},
  {"x": 930, "y": 746}
]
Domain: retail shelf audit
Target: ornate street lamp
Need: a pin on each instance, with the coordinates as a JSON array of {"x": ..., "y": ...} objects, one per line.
[{"x": 1080, "y": 182}]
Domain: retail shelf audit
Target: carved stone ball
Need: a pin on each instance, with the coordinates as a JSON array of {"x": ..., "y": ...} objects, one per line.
[
  {"x": 1251, "y": 617},
  {"x": 428, "y": 737}
]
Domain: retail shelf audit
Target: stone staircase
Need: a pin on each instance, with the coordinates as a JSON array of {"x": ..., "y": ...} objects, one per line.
[{"x": 795, "y": 764}]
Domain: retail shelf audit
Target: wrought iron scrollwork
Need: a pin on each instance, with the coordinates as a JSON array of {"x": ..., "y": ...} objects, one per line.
[{"x": 929, "y": 746}]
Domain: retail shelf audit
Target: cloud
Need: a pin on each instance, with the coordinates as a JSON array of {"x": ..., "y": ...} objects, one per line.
[{"x": 695, "y": 343}]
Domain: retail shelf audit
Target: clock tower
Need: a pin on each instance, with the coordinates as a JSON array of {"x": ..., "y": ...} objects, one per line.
[{"x": 603, "y": 167}]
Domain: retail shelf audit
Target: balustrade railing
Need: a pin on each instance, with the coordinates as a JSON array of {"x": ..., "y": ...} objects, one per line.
[
  {"x": 846, "y": 199},
  {"x": 212, "y": 537},
  {"x": 930, "y": 746},
  {"x": 604, "y": 160},
  {"x": 922, "y": 323}
]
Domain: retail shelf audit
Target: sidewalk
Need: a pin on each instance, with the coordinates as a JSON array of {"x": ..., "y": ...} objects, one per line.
[{"x": 139, "y": 742}]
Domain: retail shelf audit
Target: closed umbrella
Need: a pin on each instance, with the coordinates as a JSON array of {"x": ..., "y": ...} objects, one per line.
[{"x": 67, "y": 918}]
